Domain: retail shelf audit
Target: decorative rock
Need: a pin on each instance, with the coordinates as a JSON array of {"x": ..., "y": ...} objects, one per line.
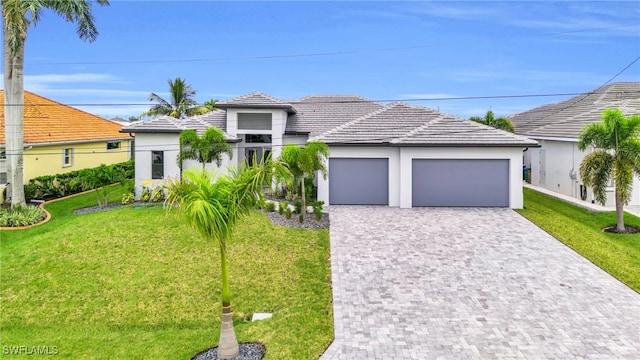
[{"x": 248, "y": 351}]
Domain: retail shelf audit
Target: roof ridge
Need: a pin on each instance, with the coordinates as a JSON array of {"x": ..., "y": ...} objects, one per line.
[{"x": 419, "y": 128}]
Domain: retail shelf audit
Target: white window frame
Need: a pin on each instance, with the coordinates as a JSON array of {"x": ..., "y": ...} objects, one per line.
[{"x": 67, "y": 152}]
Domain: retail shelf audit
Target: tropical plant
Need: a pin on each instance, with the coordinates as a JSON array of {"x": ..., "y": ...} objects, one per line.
[
  {"x": 21, "y": 215},
  {"x": 214, "y": 208},
  {"x": 270, "y": 206},
  {"x": 205, "y": 149},
  {"x": 303, "y": 162},
  {"x": 616, "y": 155},
  {"x": 128, "y": 198},
  {"x": 317, "y": 209},
  {"x": 17, "y": 16},
  {"x": 490, "y": 120},
  {"x": 181, "y": 105}
]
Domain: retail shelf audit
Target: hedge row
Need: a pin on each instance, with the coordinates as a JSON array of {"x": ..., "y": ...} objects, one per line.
[{"x": 54, "y": 186}]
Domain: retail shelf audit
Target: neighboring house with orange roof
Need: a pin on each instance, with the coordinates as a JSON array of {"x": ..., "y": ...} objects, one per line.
[{"x": 59, "y": 138}]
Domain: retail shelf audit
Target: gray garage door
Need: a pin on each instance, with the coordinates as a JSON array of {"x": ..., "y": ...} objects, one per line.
[
  {"x": 356, "y": 181},
  {"x": 460, "y": 182}
]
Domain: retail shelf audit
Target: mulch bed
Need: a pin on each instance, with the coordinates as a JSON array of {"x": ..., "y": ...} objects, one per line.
[
  {"x": 248, "y": 351},
  {"x": 628, "y": 229}
]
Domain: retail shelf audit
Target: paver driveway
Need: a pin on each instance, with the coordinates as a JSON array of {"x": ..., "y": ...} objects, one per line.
[{"x": 449, "y": 283}]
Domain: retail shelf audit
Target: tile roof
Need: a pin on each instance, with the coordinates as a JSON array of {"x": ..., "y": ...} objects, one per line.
[
  {"x": 401, "y": 124},
  {"x": 255, "y": 100},
  {"x": 320, "y": 113},
  {"x": 170, "y": 124},
  {"x": 48, "y": 121},
  {"x": 566, "y": 119}
]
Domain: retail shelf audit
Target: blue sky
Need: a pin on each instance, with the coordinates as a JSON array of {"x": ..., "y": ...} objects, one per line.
[{"x": 381, "y": 50}]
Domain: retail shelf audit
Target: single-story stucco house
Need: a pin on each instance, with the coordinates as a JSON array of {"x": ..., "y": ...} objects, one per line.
[
  {"x": 395, "y": 155},
  {"x": 555, "y": 165}
]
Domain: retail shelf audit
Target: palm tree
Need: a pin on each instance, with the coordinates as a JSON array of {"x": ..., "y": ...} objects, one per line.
[
  {"x": 303, "y": 162},
  {"x": 17, "y": 16},
  {"x": 205, "y": 149},
  {"x": 214, "y": 209},
  {"x": 616, "y": 155},
  {"x": 499, "y": 123},
  {"x": 181, "y": 105}
]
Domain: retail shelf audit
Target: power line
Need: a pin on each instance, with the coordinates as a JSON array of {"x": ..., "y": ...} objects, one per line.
[
  {"x": 294, "y": 102},
  {"x": 318, "y": 54}
]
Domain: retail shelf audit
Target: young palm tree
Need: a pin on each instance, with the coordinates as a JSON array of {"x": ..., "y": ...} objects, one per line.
[
  {"x": 17, "y": 16},
  {"x": 182, "y": 104},
  {"x": 214, "y": 209},
  {"x": 303, "y": 162},
  {"x": 616, "y": 140},
  {"x": 499, "y": 123},
  {"x": 205, "y": 149}
]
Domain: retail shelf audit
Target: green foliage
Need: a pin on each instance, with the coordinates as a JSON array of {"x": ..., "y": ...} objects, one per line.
[
  {"x": 128, "y": 198},
  {"x": 616, "y": 155},
  {"x": 288, "y": 213},
  {"x": 205, "y": 149},
  {"x": 490, "y": 120},
  {"x": 182, "y": 103},
  {"x": 270, "y": 206},
  {"x": 21, "y": 215},
  {"x": 301, "y": 218},
  {"x": 146, "y": 194},
  {"x": 298, "y": 207},
  {"x": 282, "y": 206},
  {"x": 54, "y": 186},
  {"x": 157, "y": 194},
  {"x": 317, "y": 209}
]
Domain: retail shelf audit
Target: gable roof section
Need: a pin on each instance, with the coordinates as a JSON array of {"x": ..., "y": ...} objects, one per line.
[
  {"x": 400, "y": 124},
  {"x": 320, "y": 113},
  {"x": 168, "y": 124},
  {"x": 256, "y": 100},
  {"x": 566, "y": 119},
  {"x": 47, "y": 121}
]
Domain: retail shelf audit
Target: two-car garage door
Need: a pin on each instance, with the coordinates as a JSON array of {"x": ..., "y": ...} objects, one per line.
[
  {"x": 460, "y": 182},
  {"x": 435, "y": 182}
]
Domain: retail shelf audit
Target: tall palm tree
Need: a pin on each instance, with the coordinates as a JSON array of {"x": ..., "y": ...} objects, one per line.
[
  {"x": 205, "y": 149},
  {"x": 303, "y": 162},
  {"x": 214, "y": 209},
  {"x": 499, "y": 123},
  {"x": 616, "y": 155},
  {"x": 181, "y": 105},
  {"x": 17, "y": 16}
]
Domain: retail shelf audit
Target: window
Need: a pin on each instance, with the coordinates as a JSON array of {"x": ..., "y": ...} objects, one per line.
[
  {"x": 67, "y": 159},
  {"x": 113, "y": 145},
  {"x": 157, "y": 164},
  {"x": 254, "y": 121},
  {"x": 3, "y": 155},
  {"x": 3, "y": 177},
  {"x": 257, "y": 138}
]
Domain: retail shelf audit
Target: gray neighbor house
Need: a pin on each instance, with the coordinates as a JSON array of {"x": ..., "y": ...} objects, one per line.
[
  {"x": 395, "y": 155},
  {"x": 555, "y": 164}
]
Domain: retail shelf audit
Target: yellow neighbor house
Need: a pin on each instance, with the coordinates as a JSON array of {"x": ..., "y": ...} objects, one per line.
[{"x": 59, "y": 138}]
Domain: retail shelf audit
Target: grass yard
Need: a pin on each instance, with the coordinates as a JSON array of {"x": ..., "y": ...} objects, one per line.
[
  {"x": 138, "y": 284},
  {"x": 580, "y": 229}
]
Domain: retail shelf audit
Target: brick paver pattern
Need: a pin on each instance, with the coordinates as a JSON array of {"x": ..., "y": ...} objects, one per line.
[{"x": 447, "y": 283}]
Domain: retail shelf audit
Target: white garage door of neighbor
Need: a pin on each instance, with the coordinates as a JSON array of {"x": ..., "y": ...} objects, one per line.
[
  {"x": 358, "y": 181},
  {"x": 460, "y": 182}
]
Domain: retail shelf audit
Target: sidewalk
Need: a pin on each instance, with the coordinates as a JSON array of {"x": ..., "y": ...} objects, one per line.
[{"x": 634, "y": 210}]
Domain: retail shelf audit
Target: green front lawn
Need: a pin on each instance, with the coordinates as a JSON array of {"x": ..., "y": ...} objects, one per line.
[
  {"x": 138, "y": 284},
  {"x": 581, "y": 229}
]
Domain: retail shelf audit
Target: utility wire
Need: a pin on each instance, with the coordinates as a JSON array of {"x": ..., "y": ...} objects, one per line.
[{"x": 319, "y": 54}]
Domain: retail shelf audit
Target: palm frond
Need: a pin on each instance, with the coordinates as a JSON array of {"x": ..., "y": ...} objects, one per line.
[{"x": 595, "y": 172}]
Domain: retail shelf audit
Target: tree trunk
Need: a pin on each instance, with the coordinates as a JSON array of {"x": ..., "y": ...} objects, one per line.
[
  {"x": 228, "y": 345},
  {"x": 14, "y": 118},
  {"x": 619, "y": 213},
  {"x": 303, "y": 210}
]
